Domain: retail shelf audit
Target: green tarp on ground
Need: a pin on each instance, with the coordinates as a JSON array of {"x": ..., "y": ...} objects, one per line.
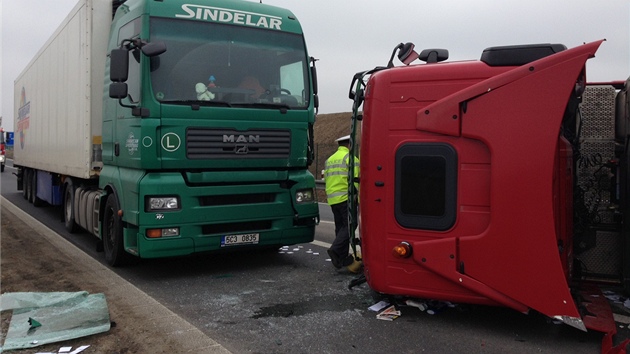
[{"x": 62, "y": 315}]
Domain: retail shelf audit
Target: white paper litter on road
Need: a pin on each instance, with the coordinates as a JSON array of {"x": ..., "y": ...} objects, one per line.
[{"x": 378, "y": 306}]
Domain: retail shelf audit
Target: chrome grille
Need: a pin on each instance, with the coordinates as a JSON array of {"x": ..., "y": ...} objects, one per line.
[{"x": 206, "y": 143}]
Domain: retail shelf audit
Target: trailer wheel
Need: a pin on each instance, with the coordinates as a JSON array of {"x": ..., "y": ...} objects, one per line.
[
  {"x": 68, "y": 207},
  {"x": 27, "y": 184},
  {"x": 113, "y": 242},
  {"x": 36, "y": 201}
]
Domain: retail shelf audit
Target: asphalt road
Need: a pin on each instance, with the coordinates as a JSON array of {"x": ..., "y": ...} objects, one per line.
[{"x": 298, "y": 303}]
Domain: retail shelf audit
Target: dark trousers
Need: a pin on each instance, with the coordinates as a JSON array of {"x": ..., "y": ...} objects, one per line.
[{"x": 341, "y": 244}]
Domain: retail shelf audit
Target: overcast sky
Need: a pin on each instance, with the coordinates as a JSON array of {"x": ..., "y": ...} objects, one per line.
[{"x": 348, "y": 36}]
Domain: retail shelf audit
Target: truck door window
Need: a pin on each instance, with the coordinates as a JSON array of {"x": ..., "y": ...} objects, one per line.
[
  {"x": 230, "y": 65},
  {"x": 129, "y": 31},
  {"x": 292, "y": 80},
  {"x": 426, "y": 182}
]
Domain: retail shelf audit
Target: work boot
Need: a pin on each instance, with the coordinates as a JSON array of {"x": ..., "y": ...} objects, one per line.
[{"x": 355, "y": 267}]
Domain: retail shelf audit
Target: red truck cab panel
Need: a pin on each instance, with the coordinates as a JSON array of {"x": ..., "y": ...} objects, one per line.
[{"x": 464, "y": 162}]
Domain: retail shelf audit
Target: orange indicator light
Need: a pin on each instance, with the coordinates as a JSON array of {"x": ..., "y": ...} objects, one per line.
[
  {"x": 402, "y": 250},
  {"x": 154, "y": 233}
]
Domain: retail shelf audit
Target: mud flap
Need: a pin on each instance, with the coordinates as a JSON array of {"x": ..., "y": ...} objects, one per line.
[{"x": 597, "y": 316}]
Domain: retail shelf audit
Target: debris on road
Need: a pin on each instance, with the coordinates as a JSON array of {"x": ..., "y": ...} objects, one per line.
[
  {"x": 68, "y": 350},
  {"x": 421, "y": 305},
  {"x": 378, "y": 306},
  {"x": 389, "y": 314},
  {"x": 43, "y": 318},
  {"x": 286, "y": 250}
]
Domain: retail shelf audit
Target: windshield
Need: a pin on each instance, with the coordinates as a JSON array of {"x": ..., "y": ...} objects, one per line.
[{"x": 227, "y": 65}]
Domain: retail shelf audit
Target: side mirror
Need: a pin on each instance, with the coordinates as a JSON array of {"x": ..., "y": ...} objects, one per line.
[
  {"x": 314, "y": 75},
  {"x": 434, "y": 55},
  {"x": 153, "y": 49},
  {"x": 118, "y": 90},
  {"x": 406, "y": 54},
  {"x": 352, "y": 93},
  {"x": 119, "y": 65},
  {"x": 315, "y": 88}
]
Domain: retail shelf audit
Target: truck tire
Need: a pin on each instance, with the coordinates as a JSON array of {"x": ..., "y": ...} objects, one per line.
[
  {"x": 28, "y": 174},
  {"x": 113, "y": 242},
  {"x": 25, "y": 183},
  {"x": 36, "y": 201},
  {"x": 68, "y": 207}
]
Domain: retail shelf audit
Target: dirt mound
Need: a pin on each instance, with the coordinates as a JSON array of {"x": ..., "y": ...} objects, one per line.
[{"x": 329, "y": 127}]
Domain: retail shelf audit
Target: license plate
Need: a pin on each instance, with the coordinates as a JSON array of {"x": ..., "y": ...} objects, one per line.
[{"x": 243, "y": 239}]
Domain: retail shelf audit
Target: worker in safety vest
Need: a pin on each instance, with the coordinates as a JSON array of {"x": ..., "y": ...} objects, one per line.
[{"x": 336, "y": 178}]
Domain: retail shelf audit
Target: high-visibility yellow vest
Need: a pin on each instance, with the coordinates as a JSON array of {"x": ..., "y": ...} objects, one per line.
[{"x": 336, "y": 175}]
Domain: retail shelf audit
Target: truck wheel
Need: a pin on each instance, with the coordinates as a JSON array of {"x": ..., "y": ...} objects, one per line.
[
  {"x": 68, "y": 207},
  {"x": 113, "y": 243},
  {"x": 36, "y": 201},
  {"x": 27, "y": 184}
]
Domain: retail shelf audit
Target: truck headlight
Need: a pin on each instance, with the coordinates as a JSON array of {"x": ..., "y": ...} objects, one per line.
[
  {"x": 162, "y": 203},
  {"x": 304, "y": 196}
]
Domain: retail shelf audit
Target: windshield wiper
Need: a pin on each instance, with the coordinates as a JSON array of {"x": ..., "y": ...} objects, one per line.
[
  {"x": 196, "y": 103},
  {"x": 281, "y": 106}
]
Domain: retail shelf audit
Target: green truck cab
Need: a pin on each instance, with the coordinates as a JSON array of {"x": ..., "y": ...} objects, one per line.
[{"x": 208, "y": 143}]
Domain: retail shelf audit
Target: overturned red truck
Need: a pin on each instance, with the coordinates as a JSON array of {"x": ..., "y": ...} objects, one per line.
[{"x": 501, "y": 181}]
